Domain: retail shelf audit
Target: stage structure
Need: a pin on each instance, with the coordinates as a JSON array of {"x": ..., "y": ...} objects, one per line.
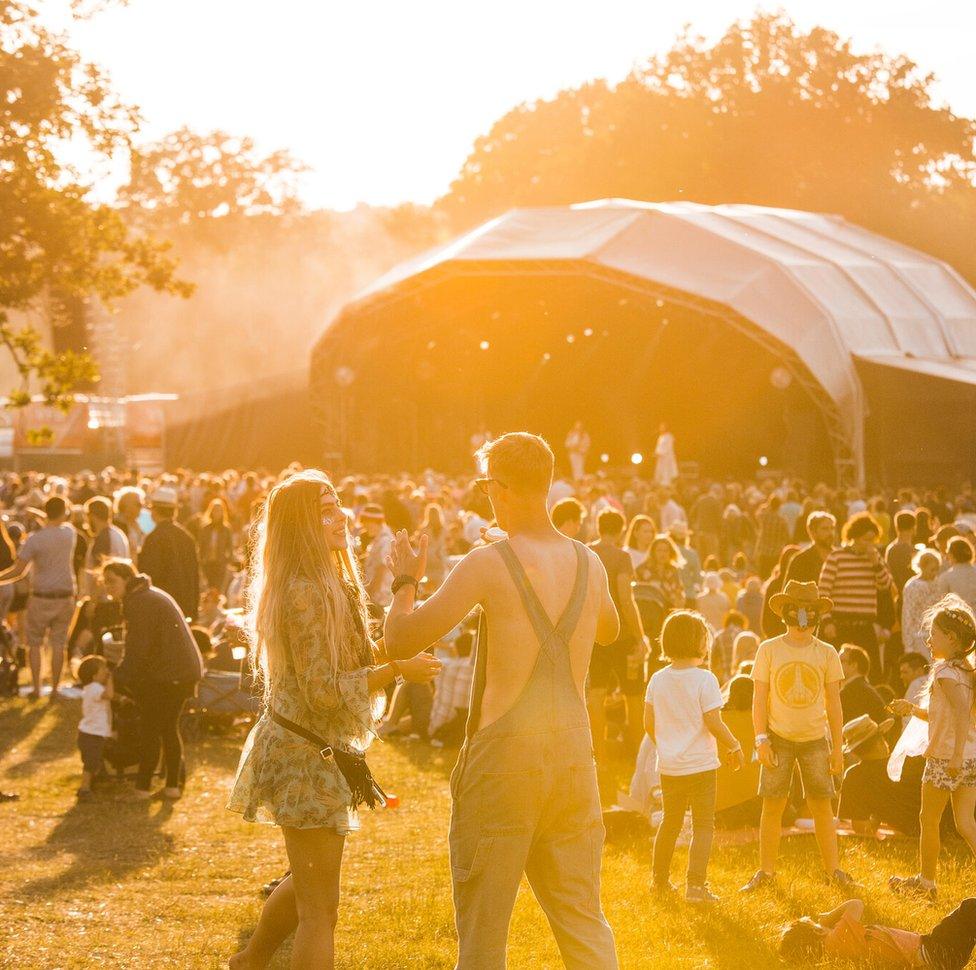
[{"x": 787, "y": 339}]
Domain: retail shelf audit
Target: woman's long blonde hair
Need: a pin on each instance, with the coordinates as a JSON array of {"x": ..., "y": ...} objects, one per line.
[{"x": 290, "y": 546}]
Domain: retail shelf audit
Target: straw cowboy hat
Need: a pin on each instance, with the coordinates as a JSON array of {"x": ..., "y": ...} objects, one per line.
[
  {"x": 803, "y": 595},
  {"x": 862, "y": 729}
]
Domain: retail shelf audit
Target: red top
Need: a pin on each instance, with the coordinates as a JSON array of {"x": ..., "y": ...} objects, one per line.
[{"x": 882, "y": 945}]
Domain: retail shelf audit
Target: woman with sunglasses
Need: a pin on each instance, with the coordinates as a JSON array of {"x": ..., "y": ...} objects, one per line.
[{"x": 322, "y": 678}]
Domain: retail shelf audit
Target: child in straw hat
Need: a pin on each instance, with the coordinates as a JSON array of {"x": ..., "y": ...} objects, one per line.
[{"x": 795, "y": 707}]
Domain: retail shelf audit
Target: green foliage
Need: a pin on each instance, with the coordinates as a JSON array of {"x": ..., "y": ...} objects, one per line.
[
  {"x": 53, "y": 238},
  {"x": 768, "y": 115},
  {"x": 189, "y": 177}
]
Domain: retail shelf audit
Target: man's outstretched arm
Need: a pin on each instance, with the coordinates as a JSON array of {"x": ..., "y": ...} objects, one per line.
[{"x": 407, "y": 631}]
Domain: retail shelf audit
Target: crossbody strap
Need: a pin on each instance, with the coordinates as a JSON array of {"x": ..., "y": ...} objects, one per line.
[{"x": 325, "y": 749}]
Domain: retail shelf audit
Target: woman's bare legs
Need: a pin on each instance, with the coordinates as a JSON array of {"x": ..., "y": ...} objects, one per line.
[{"x": 306, "y": 901}]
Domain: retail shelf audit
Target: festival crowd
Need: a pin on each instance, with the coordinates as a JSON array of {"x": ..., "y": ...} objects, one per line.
[{"x": 810, "y": 624}]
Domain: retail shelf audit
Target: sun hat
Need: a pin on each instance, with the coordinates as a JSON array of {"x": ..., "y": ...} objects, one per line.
[
  {"x": 803, "y": 595},
  {"x": 862, "y": 729},
  {"x": 372, "y": 511}
]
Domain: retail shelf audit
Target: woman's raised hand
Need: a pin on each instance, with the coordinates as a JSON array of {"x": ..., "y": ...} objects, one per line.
[{"x": 421, "y": 669}]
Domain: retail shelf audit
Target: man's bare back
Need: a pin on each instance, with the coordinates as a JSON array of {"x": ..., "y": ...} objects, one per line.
[
  {"x": 550, "y": 566},
  {"x": 481, "y": 578}
]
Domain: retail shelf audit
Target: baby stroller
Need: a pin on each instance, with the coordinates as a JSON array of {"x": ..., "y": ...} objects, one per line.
[{"x": 223, "y": 699}]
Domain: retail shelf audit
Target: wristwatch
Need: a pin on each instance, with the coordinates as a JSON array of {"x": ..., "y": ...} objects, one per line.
[{"x": 404, "y": 580}]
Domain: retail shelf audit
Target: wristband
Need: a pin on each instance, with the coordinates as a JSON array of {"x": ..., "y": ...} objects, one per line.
[
  {"x": 762, "y": 739},
  {"x": 397, "y": 676},
  {"x": 404, "y": 580}
]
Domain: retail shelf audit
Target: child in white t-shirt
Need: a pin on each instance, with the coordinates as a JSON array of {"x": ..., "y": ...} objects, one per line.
[
  {"x": 683, "y": 714},
  {"x": 95, "y": 726}
]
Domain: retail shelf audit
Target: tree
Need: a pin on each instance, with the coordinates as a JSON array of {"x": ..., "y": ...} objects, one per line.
[
  {"x": 188, "y": 178},
  {"x": 768, "y": 115},
  {"x": 56, "y": 245}
]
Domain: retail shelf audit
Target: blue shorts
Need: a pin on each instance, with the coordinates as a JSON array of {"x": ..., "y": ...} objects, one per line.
[{"x": 813, "y": 758}]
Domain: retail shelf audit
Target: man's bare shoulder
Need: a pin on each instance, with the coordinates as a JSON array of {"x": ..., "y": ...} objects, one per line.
[{"x": 479, "y": 561}]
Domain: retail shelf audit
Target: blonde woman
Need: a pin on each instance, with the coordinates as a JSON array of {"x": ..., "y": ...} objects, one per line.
[{"x": 321, "y": 676}]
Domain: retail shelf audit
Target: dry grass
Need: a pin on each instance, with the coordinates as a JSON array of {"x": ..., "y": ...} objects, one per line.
[{"x": 109, "y": 884}]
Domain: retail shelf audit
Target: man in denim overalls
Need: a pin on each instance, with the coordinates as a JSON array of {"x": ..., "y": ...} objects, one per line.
[{"x": 524, "y": 790}]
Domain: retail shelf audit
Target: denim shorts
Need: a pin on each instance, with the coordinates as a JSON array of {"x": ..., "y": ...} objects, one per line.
[{"x": 813, "y": 757}]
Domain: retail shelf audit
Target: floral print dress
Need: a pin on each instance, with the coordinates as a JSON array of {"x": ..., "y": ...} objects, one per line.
[{"x": 281, "y": 779}]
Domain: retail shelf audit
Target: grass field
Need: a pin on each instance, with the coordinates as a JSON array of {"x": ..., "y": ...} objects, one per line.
[{"x": 109, "y": 884}]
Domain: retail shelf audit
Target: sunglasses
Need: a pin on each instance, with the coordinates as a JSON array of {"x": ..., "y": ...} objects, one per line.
[{"x": 483, "y": 484}]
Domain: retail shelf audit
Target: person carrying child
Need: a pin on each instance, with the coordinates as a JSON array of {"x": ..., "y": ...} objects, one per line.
[
  {"x": 683, "y": 714},
  {"x": 795, "y": 705},
  {"x": 842, "y": 934},
  {"x": 95, "y": 727},
  {"x": 950, "y": 758}
]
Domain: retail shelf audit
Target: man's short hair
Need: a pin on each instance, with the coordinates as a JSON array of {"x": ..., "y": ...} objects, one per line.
[
  {"x": 55, "y": 507},
  {"x": 862, "y": 524},
  {"x": 567, "y": 510},
  {"x": 859, "y": 657},
  {"x": 520, "y": 461},
  {"x": 905, "y": 521},
  {"x": 816, "y": 517},
  {"x": 915, "y": 660},
  {"x": 123, "y": 493},
  {"x": 610, "y": 523},
  {"x": 960, "y": 550},
  {"x": 100, "y": 508}
]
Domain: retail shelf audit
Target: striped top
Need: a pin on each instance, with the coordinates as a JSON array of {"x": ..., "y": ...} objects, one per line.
[{"x": 853, "y": 582}]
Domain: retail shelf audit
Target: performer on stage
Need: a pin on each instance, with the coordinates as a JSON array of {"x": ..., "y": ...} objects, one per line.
[{"x": 666, "y": 462}]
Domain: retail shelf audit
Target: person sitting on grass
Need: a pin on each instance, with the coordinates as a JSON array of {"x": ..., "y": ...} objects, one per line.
[
  {"x": 869, "y": 798},
  {"x": 950, "y": 758},
  {"x": 95, "y": 726},
  {"x": 683, "y": 714},
  {"x": 842, "y": 933},
  {"x": 796, "y": 702}
]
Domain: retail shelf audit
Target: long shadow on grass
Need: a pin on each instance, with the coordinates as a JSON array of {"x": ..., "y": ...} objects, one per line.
[
  {"x": 17, "y": 721},
  {"x": 103, "y": 851},
  {"x": 51, "y": 744}
]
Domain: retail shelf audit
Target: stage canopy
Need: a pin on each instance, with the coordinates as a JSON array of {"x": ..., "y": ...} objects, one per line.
[{"x": 817, "y": 292}]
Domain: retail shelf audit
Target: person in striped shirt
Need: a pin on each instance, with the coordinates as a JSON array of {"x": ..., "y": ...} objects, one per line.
[{"x": 855, "y": 577}]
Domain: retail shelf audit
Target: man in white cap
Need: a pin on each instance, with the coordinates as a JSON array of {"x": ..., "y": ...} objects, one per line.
[{"x": 169, "y": 554}]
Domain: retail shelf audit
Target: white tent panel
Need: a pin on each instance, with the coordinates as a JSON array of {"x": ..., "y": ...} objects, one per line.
[{"x": 826, "y": 289}]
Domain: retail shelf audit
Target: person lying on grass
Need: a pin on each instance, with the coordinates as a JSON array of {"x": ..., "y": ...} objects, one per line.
[{"x": 843, "y": 933}]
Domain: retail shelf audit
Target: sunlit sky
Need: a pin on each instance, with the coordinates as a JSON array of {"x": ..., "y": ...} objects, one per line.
[{"x": 384, "y": 98}]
